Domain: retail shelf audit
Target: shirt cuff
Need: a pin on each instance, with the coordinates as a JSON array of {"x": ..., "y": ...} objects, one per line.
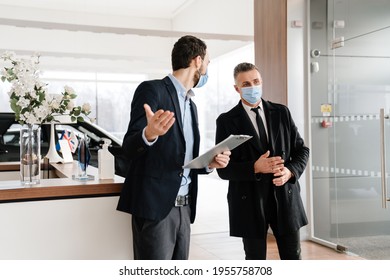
[
  {"x": 209, "y": 170},
  {"x": 146, "y": 140}
]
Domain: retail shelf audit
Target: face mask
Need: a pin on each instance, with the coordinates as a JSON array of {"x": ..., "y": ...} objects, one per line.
[
  {"x": 252, "y": 94},
  {"x": 202, "y": 79}
]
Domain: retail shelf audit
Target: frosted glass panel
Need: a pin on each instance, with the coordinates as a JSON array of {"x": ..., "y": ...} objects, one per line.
[{"x": 352, "y": 78}]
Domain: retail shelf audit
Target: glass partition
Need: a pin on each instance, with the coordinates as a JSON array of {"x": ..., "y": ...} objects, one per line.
[{"x": 350, "y": 83}]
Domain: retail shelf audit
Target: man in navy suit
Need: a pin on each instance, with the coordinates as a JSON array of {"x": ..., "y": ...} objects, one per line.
[
  {"x": 263, "y": 172},
  {"x": 162, "y": 136}
]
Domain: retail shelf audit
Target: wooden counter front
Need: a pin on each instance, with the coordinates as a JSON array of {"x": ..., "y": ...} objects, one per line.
[{"x": 58, "y": 188}]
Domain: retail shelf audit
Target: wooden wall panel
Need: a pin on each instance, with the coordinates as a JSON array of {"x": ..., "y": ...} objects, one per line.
[{"x": 270, "y": 30}]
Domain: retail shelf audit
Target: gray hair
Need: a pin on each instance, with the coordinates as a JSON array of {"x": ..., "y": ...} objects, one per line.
[{"x": 243, "y": 67}]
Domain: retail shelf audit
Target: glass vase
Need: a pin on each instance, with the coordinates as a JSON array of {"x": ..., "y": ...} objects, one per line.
[
  {"x": 30, "y": 155},
  {"x": 83, "y": 156}
]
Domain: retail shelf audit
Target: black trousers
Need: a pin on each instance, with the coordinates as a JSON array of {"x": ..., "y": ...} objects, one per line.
[
  {"x": 168, "y": 239},
  {"x": 289, "y": 245}
]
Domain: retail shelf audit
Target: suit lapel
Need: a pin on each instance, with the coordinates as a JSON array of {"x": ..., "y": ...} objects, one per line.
[
  {"x": 175, "y": 100},
  {"x": 246, "y": 126},
  {"x": 273, "y": 120}
]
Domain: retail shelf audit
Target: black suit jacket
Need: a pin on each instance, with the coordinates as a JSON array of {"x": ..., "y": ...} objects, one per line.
[
  {"x": 248, "y": 192},
  {"x": 155, "y": 172}
]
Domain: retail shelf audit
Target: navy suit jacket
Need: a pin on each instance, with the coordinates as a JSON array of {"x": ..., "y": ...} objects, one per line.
[
  {"x": 248, "y": 192},
  {"x": 155, "y": 172}
]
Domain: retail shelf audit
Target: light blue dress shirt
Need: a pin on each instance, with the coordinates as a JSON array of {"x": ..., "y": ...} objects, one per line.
[{"x": 184, "y": 101}]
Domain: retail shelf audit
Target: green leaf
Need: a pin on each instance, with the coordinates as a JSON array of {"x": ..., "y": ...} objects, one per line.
[
  {"x": 16, "y": 108},
  {"x": 24, "y": 110},
  {"x": 76, "y": 111},
  {"x": 41, "y": 96}
]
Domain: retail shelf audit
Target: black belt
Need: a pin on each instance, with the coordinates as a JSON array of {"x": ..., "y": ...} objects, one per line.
[{"x": 182, "y": 200}]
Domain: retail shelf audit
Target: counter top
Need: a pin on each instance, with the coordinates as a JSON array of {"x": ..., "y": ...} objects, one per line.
[{"x": 63, "y": 187}]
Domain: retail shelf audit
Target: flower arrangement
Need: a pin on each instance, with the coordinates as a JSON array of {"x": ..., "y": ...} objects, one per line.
[{"x": 28, "y": 94}]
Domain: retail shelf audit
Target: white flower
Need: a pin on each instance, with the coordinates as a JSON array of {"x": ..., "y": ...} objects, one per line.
[
  {"x": 70, "y": 105},
  {"x": 69, "y": 90},
  {"x": 28, "y": 97},
  {"x": 5, "y": 74},
  {"x": 18, "y": 90},
  {"x": 54, "y": 104},
  {"x": 86, "y": 108},
  {"x": 8, "y": 55},
  {"x": 30, "y": 118},
  {"x": 23, "y": 102},
  {"x": 40, "y": 84},
  {"x": 41, "y": 112}
]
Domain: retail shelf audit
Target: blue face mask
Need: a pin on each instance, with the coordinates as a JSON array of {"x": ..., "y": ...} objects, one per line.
[
  {"x": 252, "y": 94},
  {"x": 202, "y": 79}
]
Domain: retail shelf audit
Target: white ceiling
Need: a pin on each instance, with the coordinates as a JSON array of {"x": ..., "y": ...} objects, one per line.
[
  {"x": 146, "y": 8},
  {"x": 121, "y": 35}
]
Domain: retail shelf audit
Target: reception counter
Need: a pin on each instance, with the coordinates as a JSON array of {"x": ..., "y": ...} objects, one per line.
[
  {"x": 62, "y": 218},
  {"x": 60, "y": 184}
]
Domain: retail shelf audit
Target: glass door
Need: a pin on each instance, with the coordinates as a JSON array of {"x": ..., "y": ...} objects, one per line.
[{"x": 350, "y": 84}]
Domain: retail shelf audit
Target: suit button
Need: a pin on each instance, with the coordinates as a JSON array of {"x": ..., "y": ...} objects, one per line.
[
  {"x": 181, "y": 174},
  {"x": 243, "y": 197},
  {"x": 289, "y": 191}
]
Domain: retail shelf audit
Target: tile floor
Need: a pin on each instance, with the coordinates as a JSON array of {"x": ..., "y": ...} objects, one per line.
[{"x": 210, "y": 233}]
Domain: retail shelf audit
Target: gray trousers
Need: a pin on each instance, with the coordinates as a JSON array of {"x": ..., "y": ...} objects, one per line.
[{"x": 168, "y": 239}]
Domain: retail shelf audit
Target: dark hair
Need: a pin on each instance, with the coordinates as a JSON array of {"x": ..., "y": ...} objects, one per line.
[
  {"x": 186, "y": 49},
  {"x": 243, "y": 67}
]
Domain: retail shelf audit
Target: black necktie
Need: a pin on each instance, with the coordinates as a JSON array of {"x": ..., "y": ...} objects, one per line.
[{"x": 260, "y": 124}]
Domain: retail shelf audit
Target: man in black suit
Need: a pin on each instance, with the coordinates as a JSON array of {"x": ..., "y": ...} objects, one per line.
[
  {"x": 162, "y": 136},
  {"x": 263, "y": 172}
]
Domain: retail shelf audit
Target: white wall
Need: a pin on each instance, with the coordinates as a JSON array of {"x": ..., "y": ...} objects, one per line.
[
  {"x": 217, "y": 16},
  {"x": 88, "y": 39},
  {"x": 297, "y": 76}
]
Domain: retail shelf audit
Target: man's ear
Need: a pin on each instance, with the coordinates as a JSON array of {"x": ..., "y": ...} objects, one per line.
[
  {"x": 198, "y": 62},
  {"x": 237, "y": 89}
]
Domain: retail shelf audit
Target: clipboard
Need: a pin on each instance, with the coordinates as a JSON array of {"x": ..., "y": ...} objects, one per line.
[{"x": 229, "y": 143}]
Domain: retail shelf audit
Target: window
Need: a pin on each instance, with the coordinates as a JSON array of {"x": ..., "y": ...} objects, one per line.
[{"x": 110, "y": 94}]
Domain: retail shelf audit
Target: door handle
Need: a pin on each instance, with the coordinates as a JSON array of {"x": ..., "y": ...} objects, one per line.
[{"x": 382, "y": 117}]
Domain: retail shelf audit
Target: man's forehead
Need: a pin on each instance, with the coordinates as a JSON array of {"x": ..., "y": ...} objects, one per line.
[{"x": 248, "y": 76}]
